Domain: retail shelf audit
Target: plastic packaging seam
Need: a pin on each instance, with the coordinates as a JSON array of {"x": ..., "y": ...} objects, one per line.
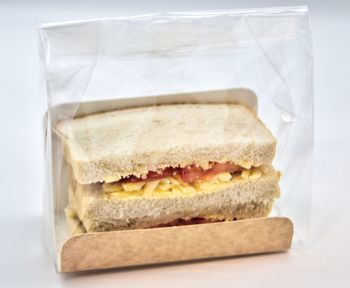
[{"x": 255, "y": 11}]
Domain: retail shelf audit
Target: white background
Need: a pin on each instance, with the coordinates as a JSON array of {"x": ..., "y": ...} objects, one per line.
[{"x": 24, "y": 261}]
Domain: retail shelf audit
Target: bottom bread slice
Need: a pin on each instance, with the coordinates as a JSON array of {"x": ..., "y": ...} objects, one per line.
[{"x": 240, "y": 199}]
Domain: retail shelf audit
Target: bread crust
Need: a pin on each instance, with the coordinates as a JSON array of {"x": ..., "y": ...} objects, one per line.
[{"x": 107, "y": 146}]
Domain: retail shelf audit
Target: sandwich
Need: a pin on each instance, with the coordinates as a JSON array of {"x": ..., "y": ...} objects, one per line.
[{"x": 168, "y": 165}]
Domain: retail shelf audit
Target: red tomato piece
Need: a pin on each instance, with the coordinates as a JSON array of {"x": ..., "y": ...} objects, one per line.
[
  {"x": 152, "y": 175},
  {"x": 221, "y": 168},
  {"x": 189, "y": 174}
]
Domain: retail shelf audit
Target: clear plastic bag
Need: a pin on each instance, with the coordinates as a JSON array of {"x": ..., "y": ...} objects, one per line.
[{"x": 268, "y": 51}]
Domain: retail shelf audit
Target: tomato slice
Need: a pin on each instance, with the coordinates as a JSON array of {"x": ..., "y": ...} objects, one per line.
[
  {"x": 221, "y": 168},
  {"x": 189, "y": 174},
  {"x": 191, "y": 221},
  {"x": 153, "y": 175}
]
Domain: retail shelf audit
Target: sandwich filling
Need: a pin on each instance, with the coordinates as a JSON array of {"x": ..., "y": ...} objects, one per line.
[
  {"x": 180, "y": 181},
  {"x": 188, "y": 174}
]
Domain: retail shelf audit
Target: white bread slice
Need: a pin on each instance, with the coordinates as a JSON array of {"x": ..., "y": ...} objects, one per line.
[
  {"x": 107, "y": 146},
  {"x": 242, "y": 199}
]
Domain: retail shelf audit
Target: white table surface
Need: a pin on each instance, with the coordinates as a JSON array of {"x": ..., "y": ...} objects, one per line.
[{"x": 24, "y": 261}]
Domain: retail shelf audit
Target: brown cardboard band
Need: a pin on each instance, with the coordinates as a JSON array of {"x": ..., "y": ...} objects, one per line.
[{"x": 103, "y": 250}]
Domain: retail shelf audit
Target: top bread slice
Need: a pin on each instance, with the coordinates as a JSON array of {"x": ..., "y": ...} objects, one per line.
[{"x": 107, "y": 146}]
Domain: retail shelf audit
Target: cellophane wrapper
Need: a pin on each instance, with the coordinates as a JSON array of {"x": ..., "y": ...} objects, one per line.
[{"x": 268, "y": 51}]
